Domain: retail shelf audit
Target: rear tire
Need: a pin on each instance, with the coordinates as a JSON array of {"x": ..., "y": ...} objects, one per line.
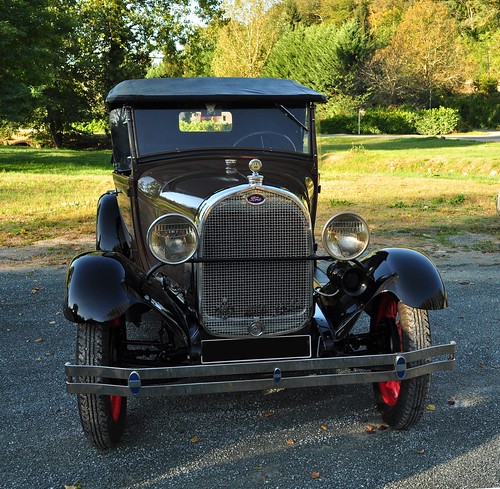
[
  {"x": 402, "y": 403},
  {"x": 102, "y": 417}
]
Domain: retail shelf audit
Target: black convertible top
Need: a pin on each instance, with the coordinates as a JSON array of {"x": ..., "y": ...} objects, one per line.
[{"x": 171, "y": 90}]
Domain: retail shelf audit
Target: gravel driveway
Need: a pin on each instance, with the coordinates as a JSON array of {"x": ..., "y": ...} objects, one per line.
[{"x": 316, "y": 438}]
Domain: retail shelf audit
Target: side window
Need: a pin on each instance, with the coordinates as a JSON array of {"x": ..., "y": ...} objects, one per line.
[{"x": 119, "y": 140}]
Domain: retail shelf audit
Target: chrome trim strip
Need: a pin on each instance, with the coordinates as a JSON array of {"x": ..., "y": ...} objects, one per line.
[{"x": 387, "y": 363}]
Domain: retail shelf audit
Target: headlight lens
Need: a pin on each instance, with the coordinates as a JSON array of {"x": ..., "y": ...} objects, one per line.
[
  {"x": 173, "y": 238},
  {"x": 346, "y": 236}
]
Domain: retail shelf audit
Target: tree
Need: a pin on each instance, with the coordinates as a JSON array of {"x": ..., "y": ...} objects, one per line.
[
  {"x": 307, "y": 55},
  {"x": 244, "y": 43},
  {"x": 385, "y": 16},
  {"x": 424, "y": 56},
  {"x": 327, "y": 58},
  {"x": 479, "y": 22},
  {"x": 198, "y": 51},
  {"x": 112, "y": 40},
  {"x": 353, "y": 51},
  {"x": 31, "y": 34}
]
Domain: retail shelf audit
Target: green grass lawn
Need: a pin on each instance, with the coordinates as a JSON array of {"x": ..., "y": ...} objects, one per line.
[
  {"x": 22, "y": 159},
  {"x": 49, "y": 193},
  {"x": 444, "y": 158},
  {"x": 423, "y": 190}
]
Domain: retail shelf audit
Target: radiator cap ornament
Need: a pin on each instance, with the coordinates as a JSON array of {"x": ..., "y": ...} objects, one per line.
[{"x": 255, "y": 166}]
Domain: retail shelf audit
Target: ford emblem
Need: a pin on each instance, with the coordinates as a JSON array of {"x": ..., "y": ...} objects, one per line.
[{"x": 256, "y": 199}]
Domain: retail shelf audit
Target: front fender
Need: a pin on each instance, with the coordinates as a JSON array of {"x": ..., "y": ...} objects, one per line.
[
  {"x": 410, "y": 275},
  {"x": 111, "y": 232},
  {"x": 100, "y": 286}
]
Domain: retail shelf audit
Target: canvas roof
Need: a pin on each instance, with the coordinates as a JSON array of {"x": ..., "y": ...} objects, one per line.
[{"x": 172, "y": 90}]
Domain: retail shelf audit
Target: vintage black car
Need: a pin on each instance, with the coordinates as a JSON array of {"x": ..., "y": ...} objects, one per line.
[{"x": 207, "y": 276}]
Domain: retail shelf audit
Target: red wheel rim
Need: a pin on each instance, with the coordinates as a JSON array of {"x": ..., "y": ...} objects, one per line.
[
  {"x": 116, "y": 407},
  {"x": 116, "y": 401},
  {"x": 390, "y": 389}
]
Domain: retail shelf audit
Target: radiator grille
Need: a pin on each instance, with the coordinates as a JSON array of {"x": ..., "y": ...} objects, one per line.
[{"x": 276, "y": 293}]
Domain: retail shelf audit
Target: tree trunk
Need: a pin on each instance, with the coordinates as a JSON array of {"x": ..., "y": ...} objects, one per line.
[{"x": 56, "y": 133}]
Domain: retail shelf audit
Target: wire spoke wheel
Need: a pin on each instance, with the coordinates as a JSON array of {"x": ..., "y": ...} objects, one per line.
[
  {"x": 102, "y": 417},
  {"x": 401, "y": 403}
]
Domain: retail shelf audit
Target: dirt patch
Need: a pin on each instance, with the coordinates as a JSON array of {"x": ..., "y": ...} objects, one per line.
[
  {"x": 57, "y": 251},
  {"x": 60, "y": 251}
]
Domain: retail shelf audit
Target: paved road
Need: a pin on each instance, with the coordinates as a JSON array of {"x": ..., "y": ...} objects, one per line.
[
  {"x": 484, "y": 136},
  {"x": 480, "y": 136},
  {"x": 311, "y": 438}
]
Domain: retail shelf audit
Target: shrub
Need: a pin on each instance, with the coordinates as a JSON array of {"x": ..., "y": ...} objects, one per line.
[
  {"x": 378, "y": 120},
  {"x": 477, "y": 111},
  {"x": 389, "y": 121},
  {"x": 434, "y": 122},
  {"x": 337, "y": 124},
  {"x": 383, "y": 120}
]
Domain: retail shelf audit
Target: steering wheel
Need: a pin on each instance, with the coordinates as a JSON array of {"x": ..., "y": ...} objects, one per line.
[{"x": 265, "y": 139}]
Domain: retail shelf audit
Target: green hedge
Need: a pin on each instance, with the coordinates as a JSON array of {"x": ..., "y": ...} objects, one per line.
[
  {"x": 477, "y": 111},
  {"x": 381, "y": 120}
]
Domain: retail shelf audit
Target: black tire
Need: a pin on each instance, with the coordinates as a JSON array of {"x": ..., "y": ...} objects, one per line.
[
  {"x": 402, "y": 403},
  {"x": 102, "y": 417}
]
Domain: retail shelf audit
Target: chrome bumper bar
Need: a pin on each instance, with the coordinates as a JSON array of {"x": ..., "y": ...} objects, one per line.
[{"x": 233, "y": 377}]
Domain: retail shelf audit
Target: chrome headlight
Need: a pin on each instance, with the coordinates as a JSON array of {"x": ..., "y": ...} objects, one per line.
[
  {"x": 346, "y": 236},
  {"x": 173, "y": 238}
]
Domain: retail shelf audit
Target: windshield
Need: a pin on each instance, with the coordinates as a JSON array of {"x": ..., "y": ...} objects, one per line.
[{"x": 272, "y": 128}]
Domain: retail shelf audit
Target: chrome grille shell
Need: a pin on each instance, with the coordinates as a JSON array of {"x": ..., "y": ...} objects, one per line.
[{"x": 234, "y": 295}]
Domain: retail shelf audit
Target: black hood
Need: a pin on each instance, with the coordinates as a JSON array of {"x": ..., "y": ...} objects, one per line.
[{"x": 183, "y": 188}]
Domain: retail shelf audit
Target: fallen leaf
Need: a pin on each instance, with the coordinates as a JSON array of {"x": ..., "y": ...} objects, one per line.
[
  {"x": 315, "y": 475},
  {"x": 370, "y": 429},
  {"x": 267, "y": 414},
  {"x": 430, "y": 407},
  {"x": 194, "y": 439},
  {"x": 451, "y": 402},
  {"x": 39, "y": 340},
  {"x": 259, "y": 467},
  {"x": 382, "y": 427},
  {"x": 290, "y": 441},
  {"x": 52, "y": 322},
  {"x": 480, "y": 365},
  {"x": 324, "y": 427},
  {"x": 38, "y": 288},
  {"x": 420, "y": 451}
]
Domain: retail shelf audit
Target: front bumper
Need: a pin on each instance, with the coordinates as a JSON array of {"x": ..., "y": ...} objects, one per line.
[{"x": 250, "y": 376}]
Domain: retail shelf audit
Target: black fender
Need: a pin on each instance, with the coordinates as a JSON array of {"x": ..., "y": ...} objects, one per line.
[
  {"x": 408, "y": 274},
  {"x": 111, "y": 234},
  {"x": 101, "y": 286}
]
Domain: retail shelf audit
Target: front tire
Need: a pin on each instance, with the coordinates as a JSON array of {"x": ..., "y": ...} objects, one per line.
[
  {"x": 102, "y": 417},
  {"x": 402, "y": 403}
]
